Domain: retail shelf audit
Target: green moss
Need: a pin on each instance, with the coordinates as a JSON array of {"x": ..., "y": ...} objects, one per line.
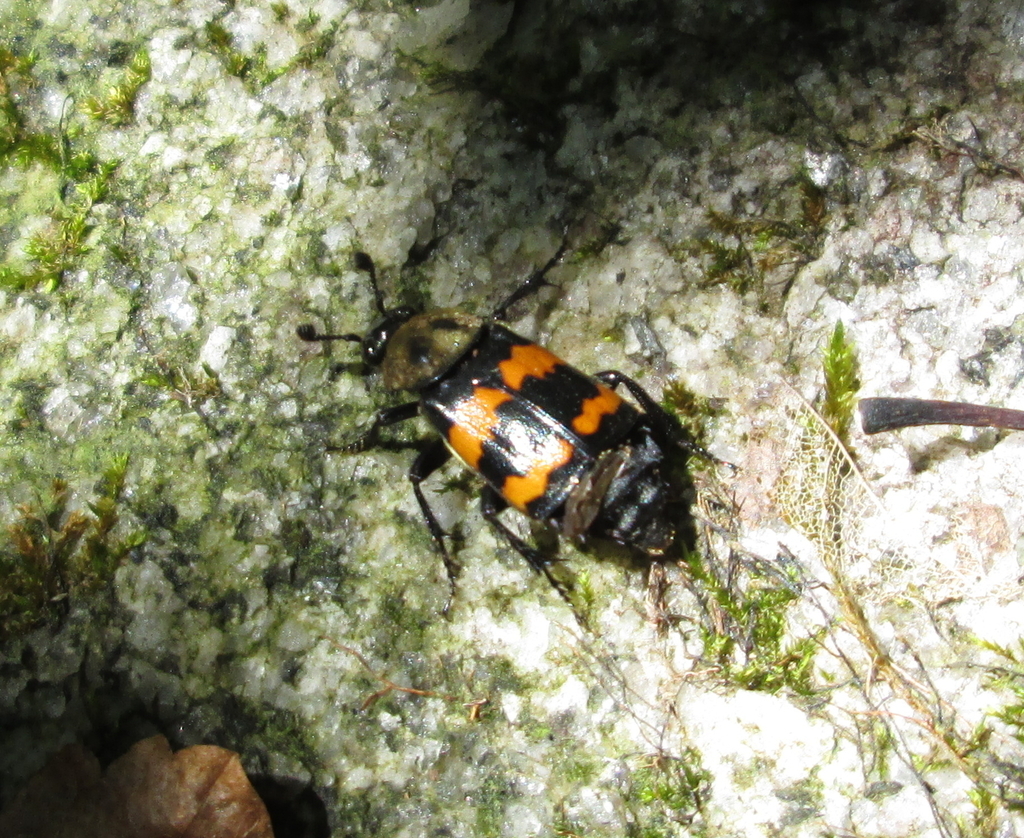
[
  {"x": 1011, "y": 714},
  {"x": 15, "y": 140},
  {"x": 804, "y": 799},
  {"x": 746, "y": 636},
  {"x": 315, "y": 50},
  {"x": 681, "y": 785},
  {"x": 839, "y": 362},
  {"x": 693, "y": 412},
  {"x": 251, "y": 69},
  {"x": 54, "y": 554},
  {"x": 741, "y": 252},
  {"x": 727, "y": 263},
  {"x": 23, "y": 147},
  {"x": 82, "y": 182},
  {"x": 58, "y": 247},
  {"x": 220, "y": 42},
  {"x": 117, "y": 106},
  {"x": 986, "y": 819},
  {"x": 583, "y": 594},
  {"x": 577, "y": 768},
  {"x": 192, "y": 391},
  {"x": 492, "y": 797}
]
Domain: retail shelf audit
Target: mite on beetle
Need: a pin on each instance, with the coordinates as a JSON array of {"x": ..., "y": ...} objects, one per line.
[{"x": 554, "y": 443}]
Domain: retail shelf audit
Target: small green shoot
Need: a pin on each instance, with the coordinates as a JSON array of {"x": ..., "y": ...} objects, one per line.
[
  {"x": 584, "y": 594},
  {"x": 986, "y": 818},
  {"x": 308, "y": 22},
  {"x": 315, "y": 50},
  {"x": 692, "y": 411},
  {"x": 742, "y": 252},
  {"x": 253, "y": 70},
  {"x": 191, "y": 391},
  {"x": 17, "y": 143},
  {"x": 19, "y": 64},
  {"x": 55, "y": 249},
  {"x": 118, "y": 106},
  {"x": 25, "y": 149},
  {"x": 839, "y": 363},
  {"x": 53, "y": 554},
  {"x": 680, "y": 784},
  {"x": 746, "y": 636},
  {"x": 730, "y": 265},
  {"x": 221, "y": 42},
  {"x": 1009, "y": 676},
  {"x": 20, "y": 145}
]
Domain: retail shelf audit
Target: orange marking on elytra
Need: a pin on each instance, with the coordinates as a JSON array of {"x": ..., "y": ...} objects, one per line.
[
  {"x": 552, "y": 453},
  {"x": 604, "y": 403},
  {"x": 474, "y": 420},
  {"x": 528, "y": 360}
]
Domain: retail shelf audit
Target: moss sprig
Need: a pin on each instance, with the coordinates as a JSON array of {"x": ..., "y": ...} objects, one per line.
[
  {"x": 53, "y": 554},
  {"x": 117, "y": 107},
  {"x": 839, "y": 364},
  {"x": 55, "y": 249}
]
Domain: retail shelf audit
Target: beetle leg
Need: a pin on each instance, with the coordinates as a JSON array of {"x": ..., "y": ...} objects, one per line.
[
  {"x": 491, "y": 505},
  {"x": 429, "y": 460},
  {"x": 665, "y": 427},
  {"x": 388, "y": 416}
]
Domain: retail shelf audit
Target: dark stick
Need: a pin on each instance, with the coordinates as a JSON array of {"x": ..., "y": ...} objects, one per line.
[{"x": 884, "y": 414}]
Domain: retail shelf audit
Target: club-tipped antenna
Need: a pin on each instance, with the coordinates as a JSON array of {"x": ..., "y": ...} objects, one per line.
[
  {"x": 534, "y": 283},
  {"x": 363, "y": 262},
  {"x": 307, "y": 331}
]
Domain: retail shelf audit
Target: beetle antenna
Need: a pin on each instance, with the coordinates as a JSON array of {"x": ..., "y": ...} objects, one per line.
[
  {"x": 307, "y": 331},
  {"x": 532, "y": 285},
  {"x": 363, "y": 262}
]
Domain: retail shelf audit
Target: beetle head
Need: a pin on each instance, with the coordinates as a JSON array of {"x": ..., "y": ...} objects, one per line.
[
  {"x": 413, "y": 350},
  {"x": 375, "y": 343},
  {"x": 424, "y": 347}
]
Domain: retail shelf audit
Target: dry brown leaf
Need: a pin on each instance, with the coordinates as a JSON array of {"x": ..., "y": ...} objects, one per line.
[{"x": 150, "y": 792}]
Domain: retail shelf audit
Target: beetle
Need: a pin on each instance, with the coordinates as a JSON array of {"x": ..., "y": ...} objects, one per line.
[{"x": 554, "y": 443}]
